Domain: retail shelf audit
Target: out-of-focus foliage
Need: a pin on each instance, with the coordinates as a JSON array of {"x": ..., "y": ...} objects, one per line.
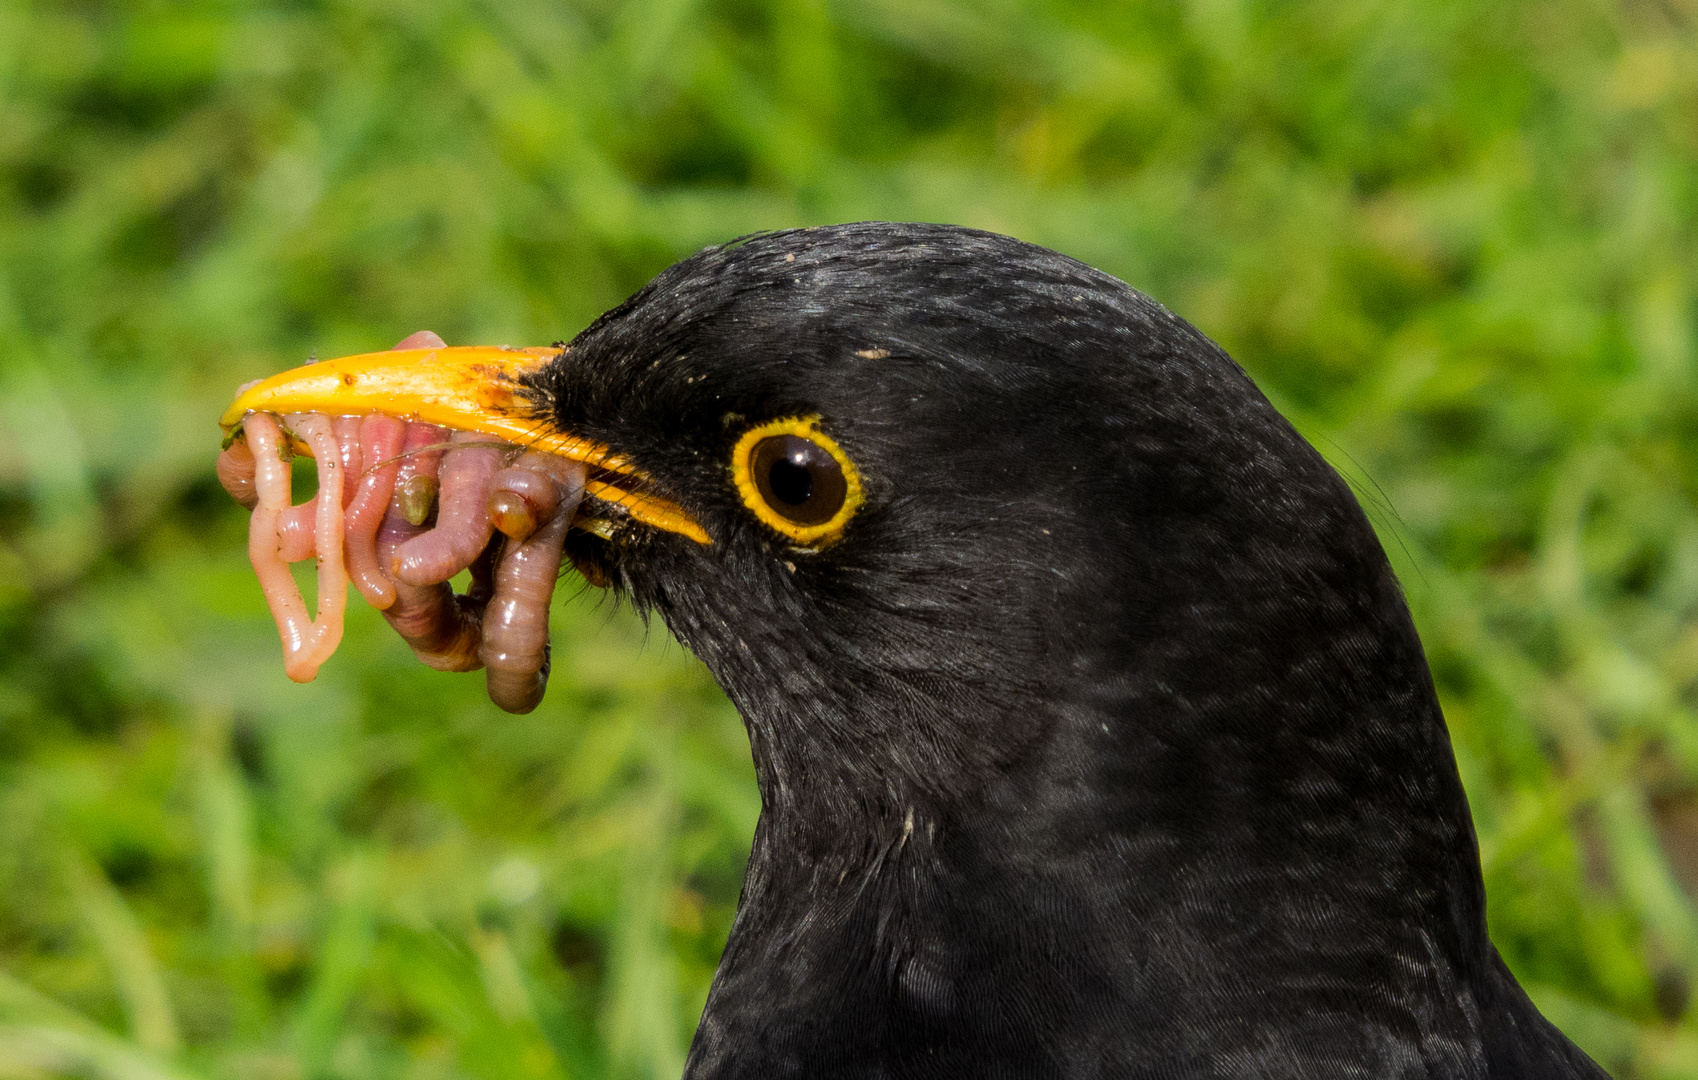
[{"x": 1454, "y": 239}]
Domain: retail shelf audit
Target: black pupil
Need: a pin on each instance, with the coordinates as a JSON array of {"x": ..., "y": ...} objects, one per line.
[
  {"x": 798, "y": 479},
  {"x": 791, "y": 481}
]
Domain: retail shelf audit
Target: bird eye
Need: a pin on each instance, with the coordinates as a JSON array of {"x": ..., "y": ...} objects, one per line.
[{"x": 796, "y": 480}]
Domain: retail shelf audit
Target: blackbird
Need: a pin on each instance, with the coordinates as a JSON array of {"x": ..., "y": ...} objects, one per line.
[{"x": 1093, "y": 735}]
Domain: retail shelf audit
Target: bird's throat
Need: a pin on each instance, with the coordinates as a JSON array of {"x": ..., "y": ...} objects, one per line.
[{"x": 1134, "y": 853}]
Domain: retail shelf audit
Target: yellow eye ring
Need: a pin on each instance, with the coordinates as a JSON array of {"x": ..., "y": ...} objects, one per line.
[{"x": 796, "y": 479}]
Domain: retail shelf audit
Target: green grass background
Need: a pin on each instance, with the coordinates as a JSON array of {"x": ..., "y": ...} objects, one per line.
[{"x": 1455, "y": 240}]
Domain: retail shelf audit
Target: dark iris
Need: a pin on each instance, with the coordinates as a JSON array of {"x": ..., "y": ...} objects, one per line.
[{"x": 799, "y": 479}]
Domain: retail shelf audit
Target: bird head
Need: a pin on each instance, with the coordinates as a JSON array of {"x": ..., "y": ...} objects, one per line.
[{"x": 955, "y": 519}]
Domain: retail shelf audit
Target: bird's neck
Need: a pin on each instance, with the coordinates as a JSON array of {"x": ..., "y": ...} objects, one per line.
[{"x": 1174, "y": 843}]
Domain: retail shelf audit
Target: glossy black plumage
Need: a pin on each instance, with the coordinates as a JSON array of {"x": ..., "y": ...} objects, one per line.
[{"x": 1102, "y": 743}]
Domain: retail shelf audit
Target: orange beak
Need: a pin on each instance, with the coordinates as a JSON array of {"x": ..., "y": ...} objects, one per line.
[{"x": 466, "y": 389}]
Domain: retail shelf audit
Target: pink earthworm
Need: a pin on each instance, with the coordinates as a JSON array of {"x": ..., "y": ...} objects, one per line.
[
  {"x": 380, "y": 440},
  {"x": 515, "y": 624},
  {"x": 462, "y": 521},
  {"x": 307, "y": 642}
]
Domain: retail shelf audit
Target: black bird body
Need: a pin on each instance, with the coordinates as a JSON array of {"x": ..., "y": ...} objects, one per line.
[{"x": 1101, "y": 743}]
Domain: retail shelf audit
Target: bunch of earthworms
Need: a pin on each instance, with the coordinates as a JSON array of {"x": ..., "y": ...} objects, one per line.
[{"x": 401, "y": 508}]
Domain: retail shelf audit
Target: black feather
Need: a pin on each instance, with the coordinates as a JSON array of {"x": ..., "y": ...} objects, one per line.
[{"x": 1101, "y": 743}]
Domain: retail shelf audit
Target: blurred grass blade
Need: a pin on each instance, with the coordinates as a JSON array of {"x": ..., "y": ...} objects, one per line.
[
  {"x": 643, "y": 1013},
  {"x": 135, "y": 971},
  {"x": 340, "y": 965},
  {"x": 510, "y": 998},
  {"x": 39, "y": 1034},
  {"x": 225, "y": 819},
  {"x": 50, "y": 443},
  {"x": 1643, "y": 874},
  {"x": 502, "y": 978}
]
